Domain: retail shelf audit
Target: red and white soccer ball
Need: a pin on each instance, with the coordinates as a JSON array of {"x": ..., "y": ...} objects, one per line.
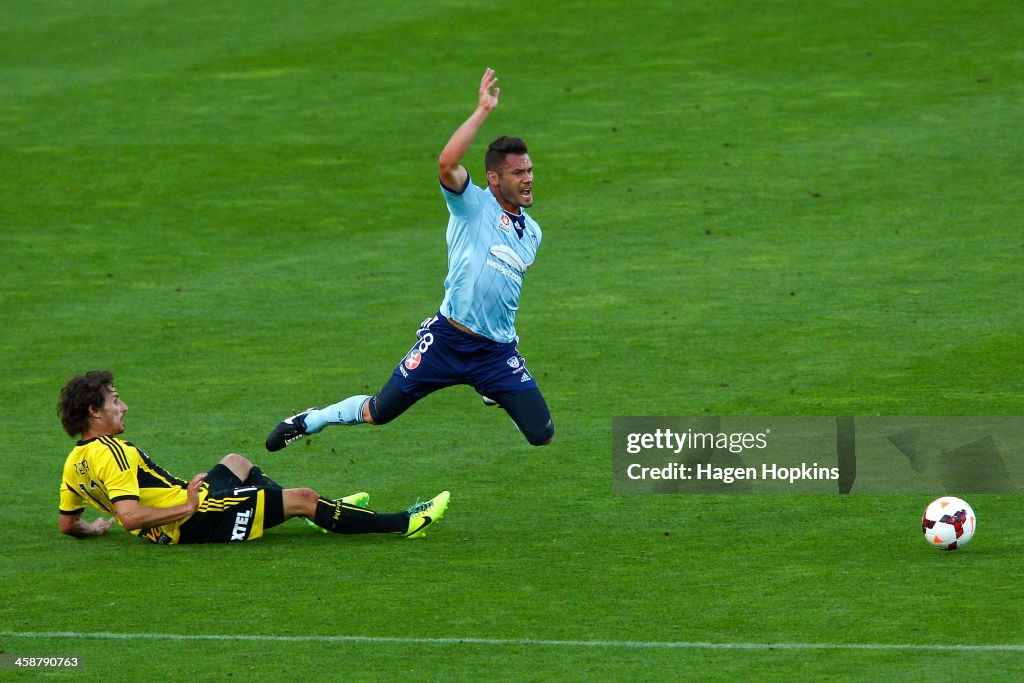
[{"x": 948, "y": 523}]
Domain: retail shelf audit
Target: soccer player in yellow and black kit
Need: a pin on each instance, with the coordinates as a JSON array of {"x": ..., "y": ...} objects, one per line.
[{"x": 234, "y": 501}]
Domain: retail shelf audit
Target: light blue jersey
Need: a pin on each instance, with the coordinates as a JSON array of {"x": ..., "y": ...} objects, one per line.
[{"x": 487, "y": 262}]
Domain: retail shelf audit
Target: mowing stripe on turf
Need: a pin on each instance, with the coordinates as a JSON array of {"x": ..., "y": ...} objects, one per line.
[{"x": 633, "y": 644}]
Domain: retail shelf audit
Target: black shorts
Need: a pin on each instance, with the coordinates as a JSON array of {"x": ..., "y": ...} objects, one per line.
[{"x": 232, "y": 511}]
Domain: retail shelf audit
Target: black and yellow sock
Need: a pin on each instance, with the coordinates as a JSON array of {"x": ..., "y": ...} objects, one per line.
[{"x": 342, "y": 518}]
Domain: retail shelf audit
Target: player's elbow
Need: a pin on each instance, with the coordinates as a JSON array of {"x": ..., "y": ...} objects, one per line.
[
  {"x": 447, "y": 162},
  {"x": 72, "y": 525},
  {"x": 67, "y": 525},
  {"x": 452, "y": 173},
  {"x": 127, "y": 515},
  {"x": 129, "y": 523}
]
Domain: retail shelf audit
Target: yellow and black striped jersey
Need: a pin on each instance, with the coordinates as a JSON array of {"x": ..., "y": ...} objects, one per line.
[{"x": 106, "y": 469}]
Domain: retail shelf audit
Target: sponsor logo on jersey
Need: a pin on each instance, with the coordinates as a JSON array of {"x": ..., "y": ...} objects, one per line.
[
  {"x": 509, "y": 257},
  {"x": 415, "y": 355},
  {"x": 504, "y": 270},
  {"x": 242, "y": 521}
]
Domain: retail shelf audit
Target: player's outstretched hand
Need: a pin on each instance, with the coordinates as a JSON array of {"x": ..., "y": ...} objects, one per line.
[
  {"x": 102, "y": 525},
  {"x": 488, "y": 99}
]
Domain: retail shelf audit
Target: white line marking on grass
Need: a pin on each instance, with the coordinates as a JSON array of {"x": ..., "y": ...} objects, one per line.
[{"x": 628, "y": 644}]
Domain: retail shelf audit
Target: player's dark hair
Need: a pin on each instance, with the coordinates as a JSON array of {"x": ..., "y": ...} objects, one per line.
[
  {"x": 78, "y": 395},
  {"x": 499, "y": 149}
]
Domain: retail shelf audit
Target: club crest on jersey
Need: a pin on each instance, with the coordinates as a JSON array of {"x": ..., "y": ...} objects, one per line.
[
  {"x": 412, "y": 361},
  {"x": 505, "y": 223},
  {"x": 513, "y": 362}
]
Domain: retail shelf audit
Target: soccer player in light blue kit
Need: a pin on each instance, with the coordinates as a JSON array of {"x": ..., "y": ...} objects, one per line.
[{"x": 492, "y": 243}]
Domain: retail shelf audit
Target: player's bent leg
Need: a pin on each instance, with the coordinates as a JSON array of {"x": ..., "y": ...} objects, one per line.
[
  {"x": 258, "y": 477},
  {"x": 529, "y": 411},
  {"x": 389, "y": 403},
  {"x": 238, "y": 464},
  {"x": 234, "y": 513}
]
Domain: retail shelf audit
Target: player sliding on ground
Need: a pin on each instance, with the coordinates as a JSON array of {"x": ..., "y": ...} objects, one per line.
[
  {"x": 234, "y": 501},
  {"x": 492, "y": 242}
]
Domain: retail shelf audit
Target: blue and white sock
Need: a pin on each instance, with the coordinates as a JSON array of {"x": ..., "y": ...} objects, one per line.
[{"x": 347, "y": 412}]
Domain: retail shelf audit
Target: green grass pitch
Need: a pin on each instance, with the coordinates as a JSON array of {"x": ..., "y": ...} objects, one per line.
[{"x": 750, "y": 208}]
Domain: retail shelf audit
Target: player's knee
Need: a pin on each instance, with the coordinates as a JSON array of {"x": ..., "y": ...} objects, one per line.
[
  {"x": 389, "y": 403},
  {"x": 238, "y": 464},
  {"x": 542, "y": 440},
  {"x": 378, "y": 412},
  {"x": 308, "y": 495},
  {"x": 371, "y": 414},
  {"x": 541, "y": 437},
  {"x": 367, "y": 413},
  {"x": 300, "y": 502}
]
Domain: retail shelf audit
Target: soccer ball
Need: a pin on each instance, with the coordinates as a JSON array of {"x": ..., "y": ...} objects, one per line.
[{"x": 948, "y": 523}]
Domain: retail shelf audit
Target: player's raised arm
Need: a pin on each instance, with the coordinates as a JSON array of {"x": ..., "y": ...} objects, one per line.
[{"x": 449, "y": 165}]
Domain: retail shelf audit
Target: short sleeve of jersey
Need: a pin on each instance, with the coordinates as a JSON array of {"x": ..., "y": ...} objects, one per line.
[
  {"x": 71, "y": 502},
  {"x": 119, "y": 473},
  {"x": 464, "y": 203}
]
